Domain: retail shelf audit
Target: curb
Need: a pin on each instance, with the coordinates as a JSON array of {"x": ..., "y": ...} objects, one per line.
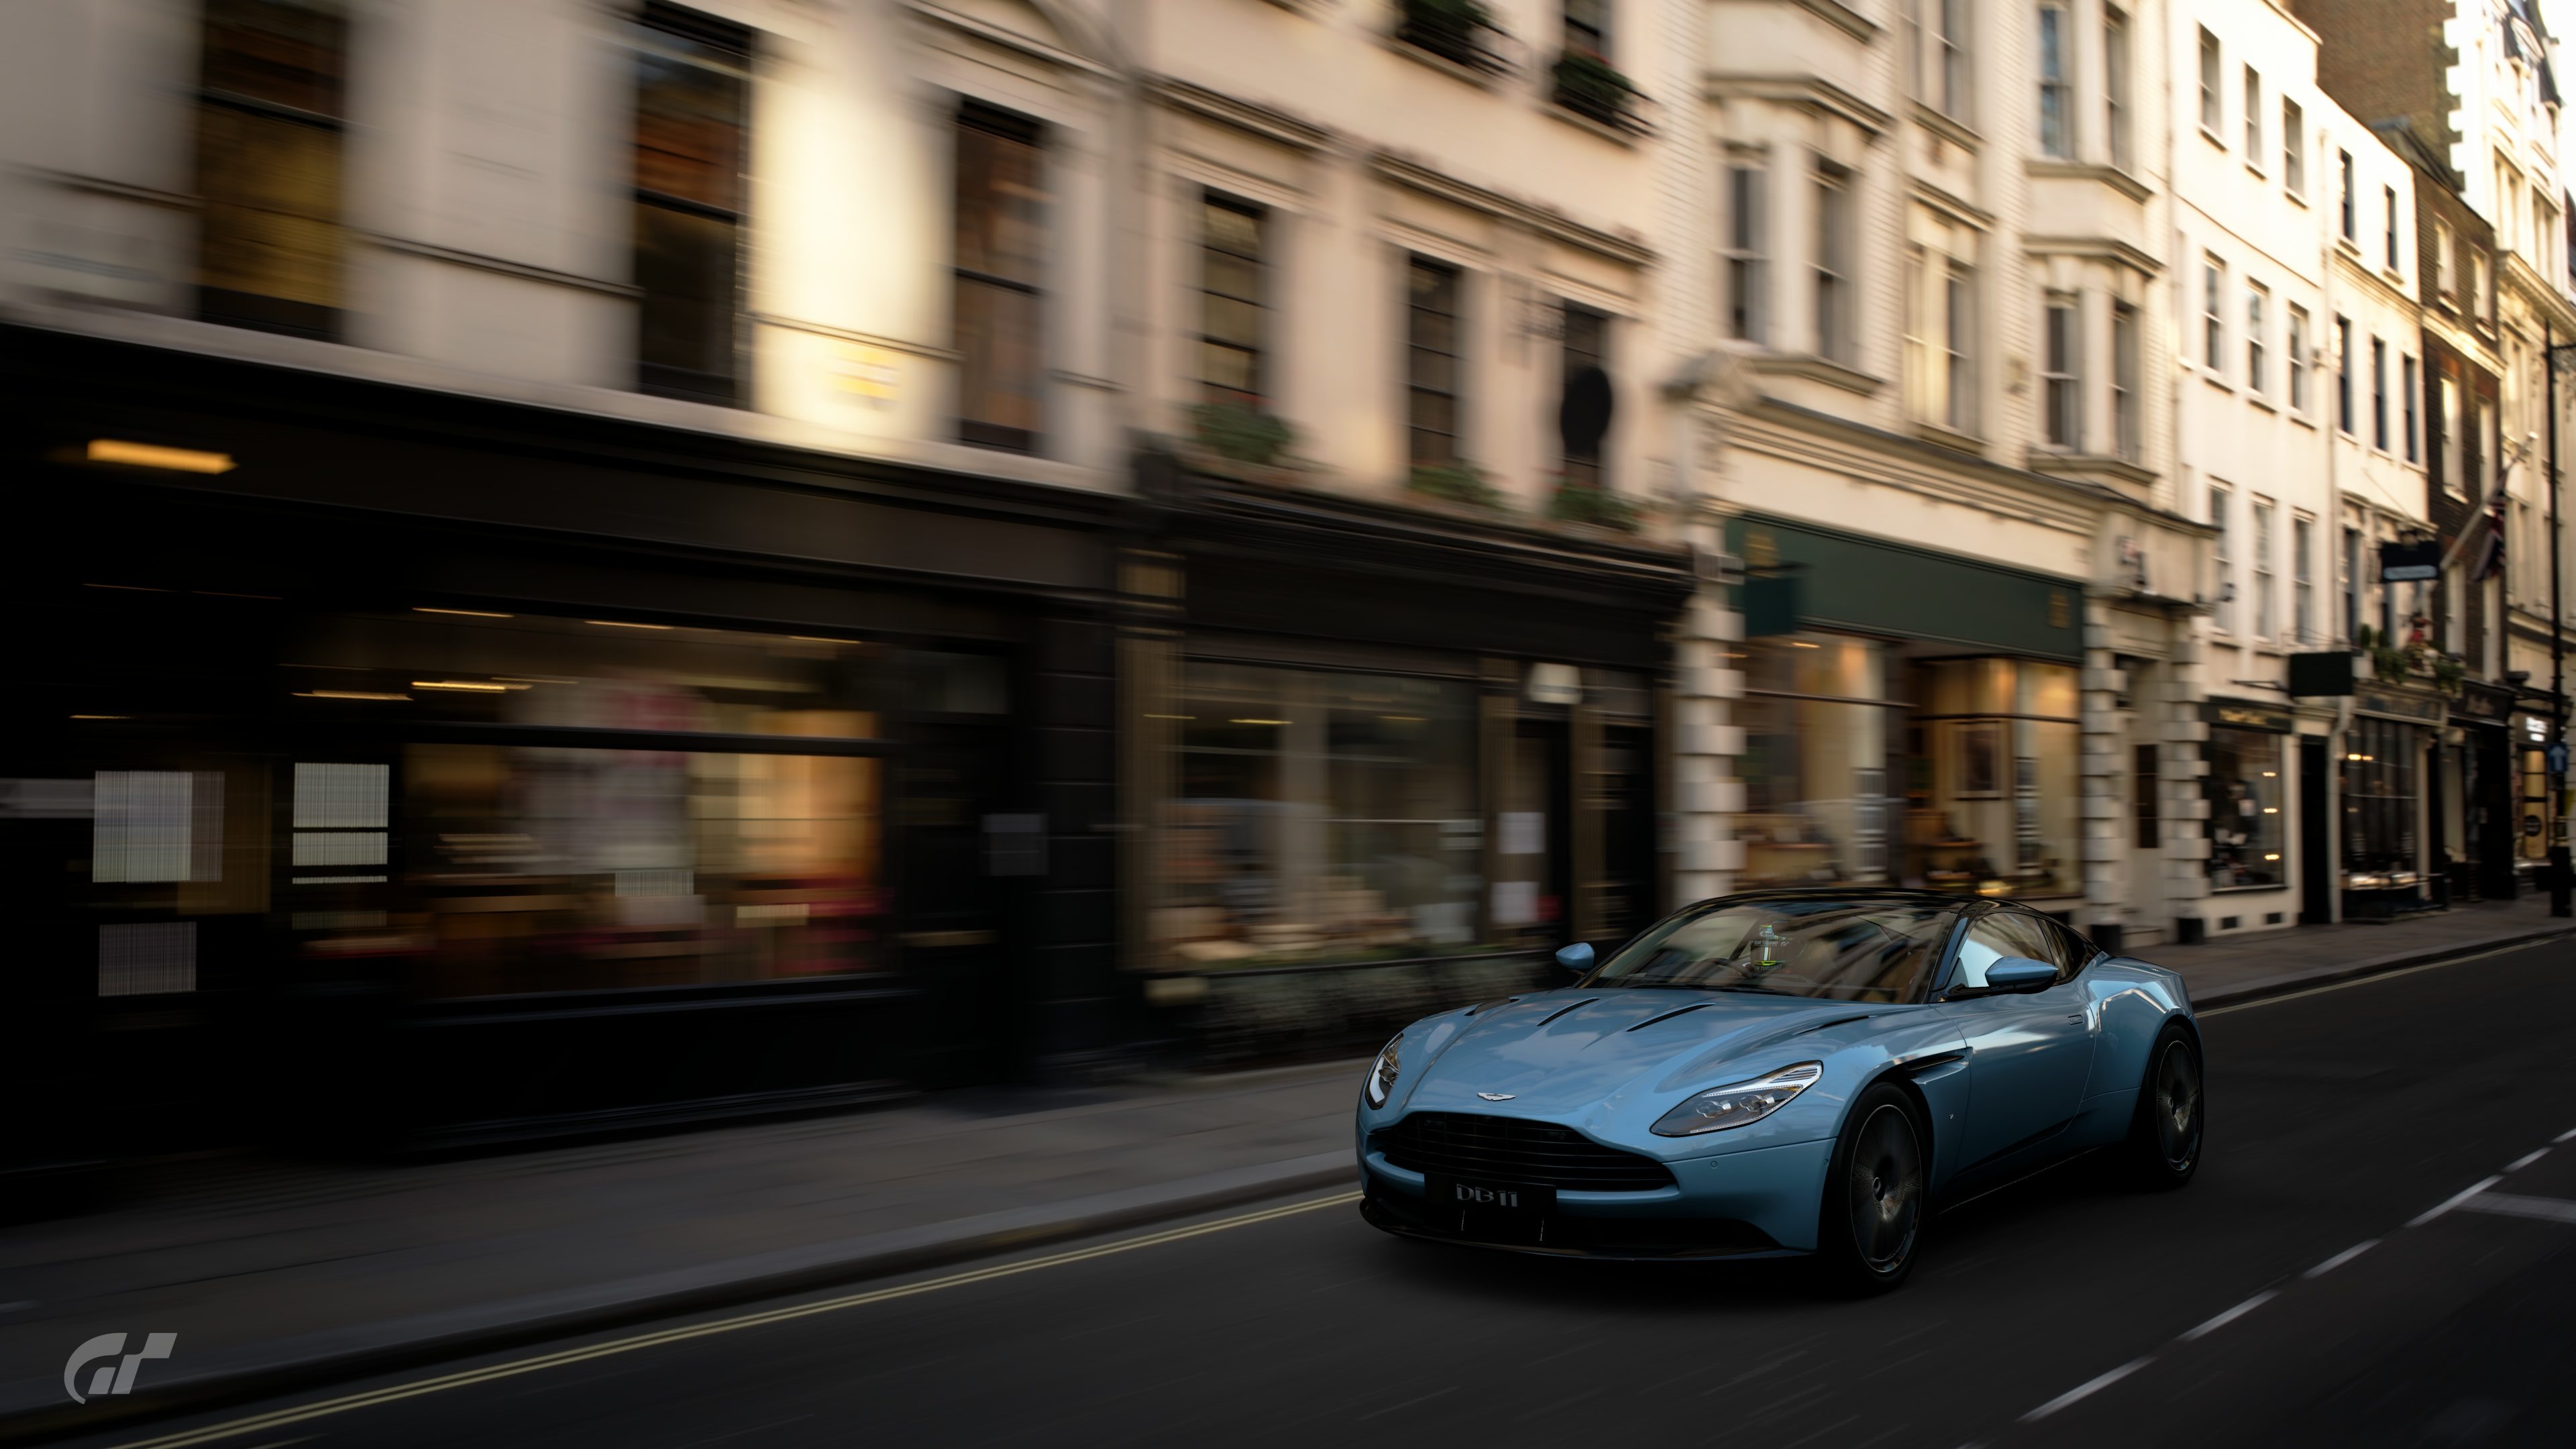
[
  {"x": 277, "y": 1368},
  {"x": 2377, "y": 966}
]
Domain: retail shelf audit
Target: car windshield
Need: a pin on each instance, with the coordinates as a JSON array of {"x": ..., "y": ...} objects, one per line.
[{"x": 1837, "y": 949}]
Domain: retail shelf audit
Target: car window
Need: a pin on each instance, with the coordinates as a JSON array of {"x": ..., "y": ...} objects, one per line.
[
  {"x": 1837, "y": 948},
  {"x": 2079, "y": 949},
  {"x": 2001, "y": 933}
]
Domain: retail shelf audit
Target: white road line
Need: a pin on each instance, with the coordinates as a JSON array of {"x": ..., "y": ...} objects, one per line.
[
  {"x": 2512, "y": 1205},
  {"x": 2454, "y": 1200},
  {"x": 2339, "y": 1259},
  {"x": 2526, "y": 1159},
  {"x": 2230, "y": 1316},
  {"x": 2371, "y": 980},
  {"x": 2564, "y": 1136},
  {"x": 2085, "y": 1390}
]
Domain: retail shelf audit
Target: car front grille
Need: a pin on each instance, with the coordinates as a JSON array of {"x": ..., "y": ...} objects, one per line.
[{"x": 1507, "y": 1149}]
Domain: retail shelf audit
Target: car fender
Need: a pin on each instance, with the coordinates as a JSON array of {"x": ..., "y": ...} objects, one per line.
[{"x": 2130, "y": 1001}]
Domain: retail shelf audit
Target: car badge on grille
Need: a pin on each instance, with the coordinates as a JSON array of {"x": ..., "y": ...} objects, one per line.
[{"x": 1498, "y": 1096}]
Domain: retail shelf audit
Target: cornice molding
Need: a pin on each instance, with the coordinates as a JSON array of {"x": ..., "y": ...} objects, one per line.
[
  {"x": 2098, "y": 248},
  {"x": 1414, "y": 176},
  {"x": 1810, "y": 92},
  {"x": 2043, "y": 168},
  {"x": 1242, "y": 115}
]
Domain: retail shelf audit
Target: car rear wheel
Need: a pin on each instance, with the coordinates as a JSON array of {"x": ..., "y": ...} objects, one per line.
[
  {"x": 2166, "y": 1135},
  {"x": 1871, "y": 1221}
]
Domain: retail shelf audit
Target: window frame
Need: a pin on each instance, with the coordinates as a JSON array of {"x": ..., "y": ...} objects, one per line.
[
  {"x": 2222, "y": 558},
  {"x": 2053, "y": 67},
  {"x": 2127, "y": 363},
  {"x": 1417, "y": 264},
  {"x": 1746, "y": 255},
  {"x": 263, "y": 311},
  {"x": 972, "y": 113},
  {"x": 2118, "y": 110},
  {"x": 2213, "y": 315},
  {"x": 2302, "y": 343},
  {"x": 2347, "y": 418},
  {"x": 2294, "y": 148},
  {"x": 2062, "y": 370},
  {"x": 2255, "y": 146},
  {"x": 1256, "y": 396},
  {"x": 1835, "y": 282},
  {"x": 2257, "y": 328},
  {"x": 2303, "y": 578},
  {"x": 2379, "y": 393},
  {"x": 2213, "y": 80},
  {"x": 2267, "y": 618}
]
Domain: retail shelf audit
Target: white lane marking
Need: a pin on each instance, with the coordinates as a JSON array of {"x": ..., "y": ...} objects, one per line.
[
  {"x": 2514, "y": 1205},
  {"x": 2085, "y": 1389},
  {"x": 2230, "y": 1316},
  {"x": 2372, "y": 978},
  {"x": 2526, "y": 1159},
  {"x": 2564, "y": 1136},
  {"x": 2339, "y": 1259},
  {"x": 1409, "y": 1403},
  {"x": 281, "y": 1418},
  {"x": 2454, "y": 1200}
]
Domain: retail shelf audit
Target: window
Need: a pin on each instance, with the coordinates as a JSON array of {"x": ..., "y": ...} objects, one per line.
[
  {"x": 2378, "y": 394},
  {"x": 2125, "y": 361},
  {"x": 2062, "y": 378},
  {"x": 1817, "y": 730},
  {"x": 2223, "y": 614},
  {"x": 2213, "y": 323},
  {"x": 1586, "y": 345},
  {"x": 2253, "y": 117},
  {"x": 2487, "y": 442},
  {"x": 2388, "y": 200},
  {"x": 2479, "y": 297},
  {"x": 2265, "y": 620},
  {"x": 2002, "y": 935},
  {"x": 1432, "y": 346},
  {"x": 1941, "y": 317},
  {"x": 2352, "y": 583},
  {"x": 2380, "y": 802},
  {"x": 1233, "y": 322},
  {"x": 2056, "y": 94},
  {"x": 2303, "y": 579},
  {"x": 1587, "y": 27},
  {"x": 2115, "y": 86},
  {"x": 2445, "y": 278},
  {"x": 692, "y": 128},
  {"x": 2255, "y": 331},
  {"x": 2343, "y": 373},
  {"x": 1941, "y": 55},
  {"x": 2146, "y": 784},
  {"x": 2243, "y": 788},
  {"x": 2446, "y": 420},
  {"x": 2301, "y": 345},
  {"x": 2210, "y": 107},
  {"x": 2406, "y": 400},
  {"x": 1834, "y": 330},
  {"x": 1001, "y": 259},
  {"x": 2294, "y": 147},
  {"x": 1747, "y": 266},
  {"x": 270, "y": 119}
]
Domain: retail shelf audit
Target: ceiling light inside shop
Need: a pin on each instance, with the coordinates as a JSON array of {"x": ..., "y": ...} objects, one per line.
[
  {"x": 152, "y": 455},
  {"x": 344, "y": 694},
  {"x": 101, "y": 716},
  {"x": 465, "y": 613},
  {"x": 1803, "y": 644},
  {"x": 1183, "y": 718},
  {"x": 1401, "y": 718},
  {"x": 467, "y": 684},
  {"x": 1260, "y": 721},
  {"x": 622, "y": 624}
]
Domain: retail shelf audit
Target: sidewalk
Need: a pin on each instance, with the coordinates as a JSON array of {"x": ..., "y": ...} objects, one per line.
[{"x": 275, "y": 1273}]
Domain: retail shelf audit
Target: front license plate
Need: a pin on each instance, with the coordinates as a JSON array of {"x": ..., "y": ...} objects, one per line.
[{"x": 1480, "y": 1199}]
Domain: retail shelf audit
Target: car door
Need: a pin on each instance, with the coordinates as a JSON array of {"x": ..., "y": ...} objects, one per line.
[{"x": 2028, "y": 1053}]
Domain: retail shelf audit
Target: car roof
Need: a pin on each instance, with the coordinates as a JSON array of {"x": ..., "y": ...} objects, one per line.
[{"x": 1891, "y": 894}]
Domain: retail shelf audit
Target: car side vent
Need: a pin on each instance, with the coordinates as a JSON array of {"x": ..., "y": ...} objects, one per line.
[
  {"x": 1483, "y": 1006},
  {"x": 1830, "y": 1025},
  {"x": 1560, "y": 1011},
  {"x": 1669, "y": 1015}
]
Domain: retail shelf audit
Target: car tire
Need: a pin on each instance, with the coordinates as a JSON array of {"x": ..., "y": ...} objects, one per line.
[
  {"x": 1869, "y": 1227},
  {"x": 2170, "y": 1128}
]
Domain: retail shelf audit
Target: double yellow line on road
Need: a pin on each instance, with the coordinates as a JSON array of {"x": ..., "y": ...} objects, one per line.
[{"x": 261, "y": 1423}]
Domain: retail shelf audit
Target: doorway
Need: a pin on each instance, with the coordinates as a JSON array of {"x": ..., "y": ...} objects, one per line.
[{"x": 2316, "y": 834}]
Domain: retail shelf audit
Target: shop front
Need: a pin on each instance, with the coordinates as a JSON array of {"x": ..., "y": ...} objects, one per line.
[
  {"x": 2251, "y": 862},
  {"x": 1386, "y": 760},
  {"x": 2481, "y": 844},
  {"x": 2389, "y": 752},
  {"x": 392, "y": 808},
  {"x": 1910, "y": 718}
]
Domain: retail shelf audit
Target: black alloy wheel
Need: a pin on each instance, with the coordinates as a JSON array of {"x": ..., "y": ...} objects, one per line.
[
  {"x": 2165, "y": 1140},
  {"x": 1872, "y": 1219}
]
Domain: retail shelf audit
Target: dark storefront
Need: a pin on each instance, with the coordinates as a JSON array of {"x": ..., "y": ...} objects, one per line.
[
  {"x": 1383, "y": 759},
  {"x": 445, "y": 770}
]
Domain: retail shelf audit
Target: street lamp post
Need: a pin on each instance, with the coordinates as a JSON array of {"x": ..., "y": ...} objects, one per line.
[{"x": 2559, "y": 871}]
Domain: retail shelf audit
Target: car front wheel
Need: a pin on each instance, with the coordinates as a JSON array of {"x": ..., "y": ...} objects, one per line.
[{"x": 1871, "y": 1221}]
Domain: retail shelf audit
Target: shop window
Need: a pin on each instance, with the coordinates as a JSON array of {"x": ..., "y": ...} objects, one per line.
[
  {"x": 271, "y": 121},
  {"x": 156, "y": 826},
  {"x": 1815, "y": 717},
  {"x": 1991, "y": 796},
  {"x": 567, "y": 804},
  {"x": 2243, "y": 788},
  {"x": 2379, "y": 803},
  {"x": 692, "y": 127},
  {"x": 1332, "y": 817},
  {"x": 1001, "y": 246}
]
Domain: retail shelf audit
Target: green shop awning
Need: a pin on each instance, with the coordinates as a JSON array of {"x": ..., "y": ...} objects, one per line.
[{"x": 1836, "y": 580}]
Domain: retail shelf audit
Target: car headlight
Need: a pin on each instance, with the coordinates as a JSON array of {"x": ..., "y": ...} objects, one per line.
[
  {"x": 1719, "y": 1108},
  {"x": 1381, "y": 1074}
]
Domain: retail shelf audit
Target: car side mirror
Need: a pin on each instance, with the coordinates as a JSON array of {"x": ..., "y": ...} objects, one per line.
[
  {"x": 1576, "y": 958},
  {"x": 2020, "y": 973}
]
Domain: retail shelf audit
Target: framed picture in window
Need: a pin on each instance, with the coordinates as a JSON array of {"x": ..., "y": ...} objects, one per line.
[{"x": 1981, "y": 759}]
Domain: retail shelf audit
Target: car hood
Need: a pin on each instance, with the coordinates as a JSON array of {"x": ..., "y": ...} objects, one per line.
[{"x": 1564, "y": 1051}]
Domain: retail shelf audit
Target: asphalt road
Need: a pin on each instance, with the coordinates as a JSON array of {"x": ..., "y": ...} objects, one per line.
[{"x": 2064, "y": 1310}]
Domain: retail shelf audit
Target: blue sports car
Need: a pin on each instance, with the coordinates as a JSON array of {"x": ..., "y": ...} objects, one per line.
[{"x": 1781, "y": 1072}]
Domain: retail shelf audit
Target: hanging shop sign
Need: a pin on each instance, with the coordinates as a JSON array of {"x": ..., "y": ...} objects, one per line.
[
  {"x": 2483, "y": 703},
  {"x": 2401, "y": 563},
  {"x": 2319, "y": 675}
]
